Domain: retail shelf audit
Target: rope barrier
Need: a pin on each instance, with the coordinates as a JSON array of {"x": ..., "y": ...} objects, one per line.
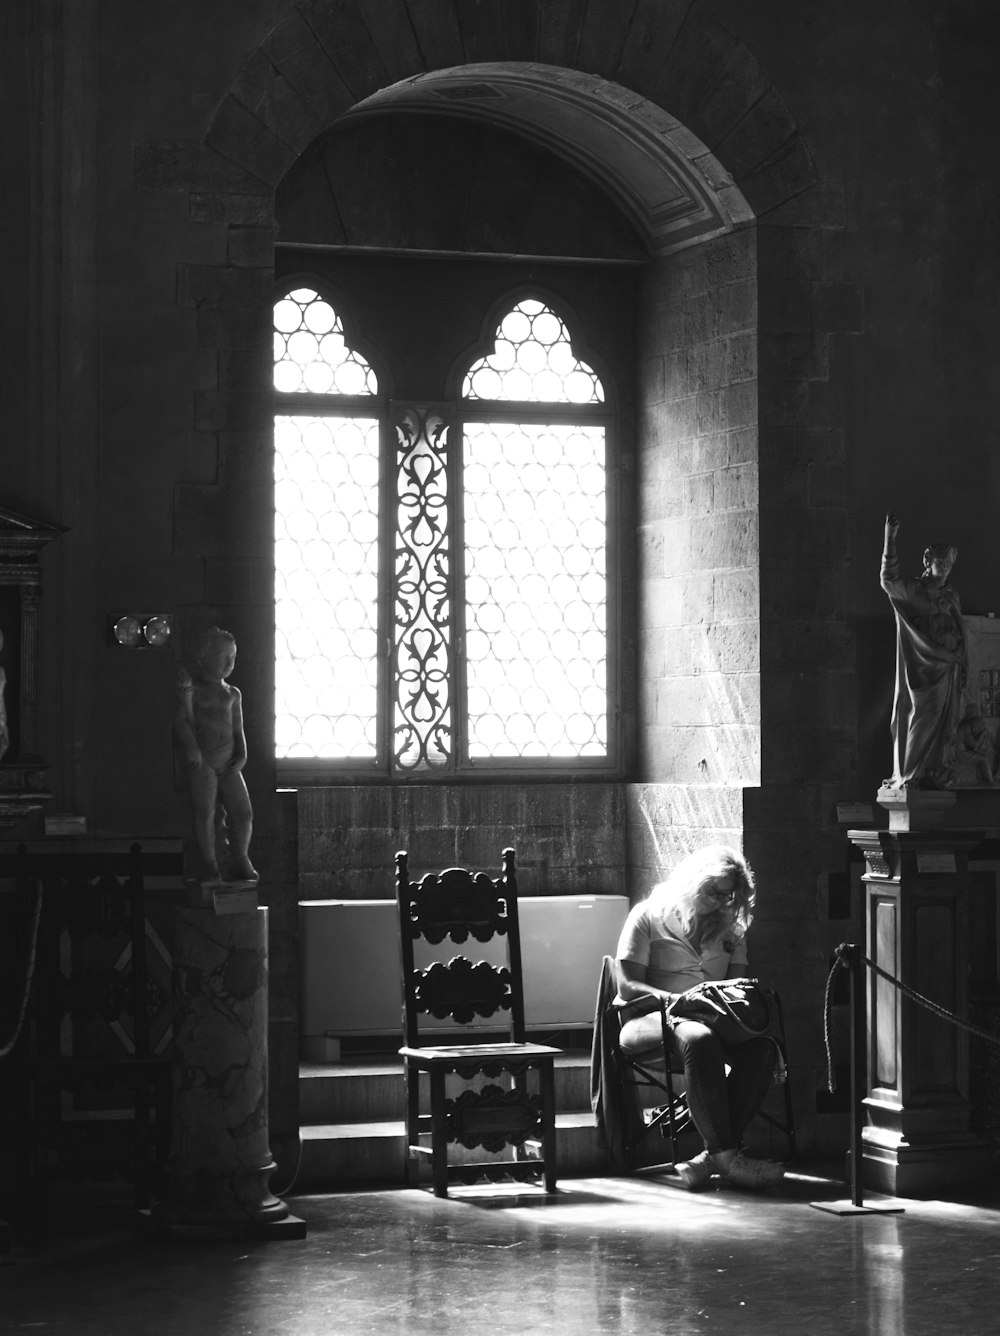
[
  {"x": 935, "y": 1007},
  {"x": 838, "y": 964}
]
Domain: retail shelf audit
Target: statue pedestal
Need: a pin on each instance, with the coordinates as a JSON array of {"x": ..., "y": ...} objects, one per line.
[
  {"x": 917, "y": 1141},
  {"x": 220, "y": 1160},
  {"x": 917, "y": 809}
]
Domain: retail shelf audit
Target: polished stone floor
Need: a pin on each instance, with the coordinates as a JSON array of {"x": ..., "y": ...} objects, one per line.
[{"x": 606, "y": 1255}]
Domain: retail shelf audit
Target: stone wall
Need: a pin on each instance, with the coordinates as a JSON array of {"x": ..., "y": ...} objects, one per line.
[
  {"x": 569, "y": 838},
  {"x": 697, "y": 517}
]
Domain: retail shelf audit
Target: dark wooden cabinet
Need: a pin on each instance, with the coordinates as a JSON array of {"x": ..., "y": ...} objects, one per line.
[{"x": 89, "y": 1075}]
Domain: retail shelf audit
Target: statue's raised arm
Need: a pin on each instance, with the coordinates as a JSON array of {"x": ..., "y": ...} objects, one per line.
[{"x": 930, "y": 663}]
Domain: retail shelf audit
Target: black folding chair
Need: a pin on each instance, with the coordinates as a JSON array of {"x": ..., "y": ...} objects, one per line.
[{"x": 647, "y": 1090}]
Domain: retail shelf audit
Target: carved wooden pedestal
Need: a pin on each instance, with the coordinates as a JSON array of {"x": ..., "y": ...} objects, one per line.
[
  {"x": 917, "y": 1141},
  {"x": 220, "y": 1160}
]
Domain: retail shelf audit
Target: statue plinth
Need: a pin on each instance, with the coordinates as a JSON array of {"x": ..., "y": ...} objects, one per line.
[
  {"x": 217, "y": 1181},
  {"x": 961, "y": 808},
  {"x": 916, "y": 809},
  {"x": 225, "y": 897},
  {"x": 917, "y": 1141}
]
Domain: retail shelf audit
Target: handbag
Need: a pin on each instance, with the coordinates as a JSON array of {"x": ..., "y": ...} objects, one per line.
[{"x": 736, "y": 1010}]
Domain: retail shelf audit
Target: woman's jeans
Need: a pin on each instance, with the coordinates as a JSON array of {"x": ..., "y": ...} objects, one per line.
[{"x": 722, "y": 1105}]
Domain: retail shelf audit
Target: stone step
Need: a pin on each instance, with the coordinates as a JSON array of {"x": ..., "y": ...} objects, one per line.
[
  {"x": 372, "y": 1091},
  {"x": 350, "y": 1092},
  {"x": 369, "y": 1154},
  {"x": 352, "y": 1129}
]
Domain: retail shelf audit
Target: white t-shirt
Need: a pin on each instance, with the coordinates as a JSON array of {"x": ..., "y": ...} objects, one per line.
[{"x": 670, "y": 961}]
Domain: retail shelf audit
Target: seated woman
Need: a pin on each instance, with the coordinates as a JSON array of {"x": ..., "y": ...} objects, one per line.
[{"x": 693, "y": 927}]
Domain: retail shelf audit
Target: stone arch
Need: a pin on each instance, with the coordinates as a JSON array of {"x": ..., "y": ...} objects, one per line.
[
  {"x": 666, "y": 81},
  {"x": 323, "y": 60}
]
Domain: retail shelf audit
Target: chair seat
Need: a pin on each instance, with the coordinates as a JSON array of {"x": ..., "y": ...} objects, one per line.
[{"x": 445, "y": 1053}]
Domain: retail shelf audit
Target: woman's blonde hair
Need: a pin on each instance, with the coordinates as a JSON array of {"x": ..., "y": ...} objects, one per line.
[{"x": 678, "y": 895}]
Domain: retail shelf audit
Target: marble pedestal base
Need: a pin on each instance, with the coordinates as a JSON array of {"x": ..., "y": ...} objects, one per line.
[
  {"x": 918, "y": 1141},
  {"x": 930, "y": 1168},
  {"x": 220, "y": 1161}
]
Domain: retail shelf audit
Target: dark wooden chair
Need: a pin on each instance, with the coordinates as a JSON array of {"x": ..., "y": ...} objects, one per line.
[
  {"x": 90, "y": 1072},
  {"x": 644, "y": 1093},
  {"x": 516, "y": 1118}
]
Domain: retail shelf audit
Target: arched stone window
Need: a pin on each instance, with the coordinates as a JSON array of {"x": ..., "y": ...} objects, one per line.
[{"x": 442, "y": 567}]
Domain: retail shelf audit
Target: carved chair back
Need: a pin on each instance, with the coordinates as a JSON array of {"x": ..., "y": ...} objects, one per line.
[{"x": 469, "y": 910}]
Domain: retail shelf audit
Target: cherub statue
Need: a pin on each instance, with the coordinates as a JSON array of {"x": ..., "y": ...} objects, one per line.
[
  {"x": 209, "y": 728},
  {"x": 931, "y": 661}
]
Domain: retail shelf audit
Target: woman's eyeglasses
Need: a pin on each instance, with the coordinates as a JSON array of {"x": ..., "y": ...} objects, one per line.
[{"x": 724, "y": 896}]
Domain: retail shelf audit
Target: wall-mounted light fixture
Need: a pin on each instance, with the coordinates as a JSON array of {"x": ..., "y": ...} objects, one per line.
[{"x": 141, "y": 630}]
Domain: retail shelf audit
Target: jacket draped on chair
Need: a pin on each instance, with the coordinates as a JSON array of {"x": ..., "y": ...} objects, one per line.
[{"x": 617, "y": 1110}]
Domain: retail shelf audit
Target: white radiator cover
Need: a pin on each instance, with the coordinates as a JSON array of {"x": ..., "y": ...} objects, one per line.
[{"x": 349, "y": 959}]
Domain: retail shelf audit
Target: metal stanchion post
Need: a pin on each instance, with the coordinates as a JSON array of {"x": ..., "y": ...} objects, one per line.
[
  {"x": 850, "y": 956},
  {"x": 859, "y": 1063}
]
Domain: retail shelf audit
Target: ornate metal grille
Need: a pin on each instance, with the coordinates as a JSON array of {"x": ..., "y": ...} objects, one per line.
[
  {"x": 423, "y": 728},
  {"x": 326, "y": 585},
  {"x": 535, "y": 590}
]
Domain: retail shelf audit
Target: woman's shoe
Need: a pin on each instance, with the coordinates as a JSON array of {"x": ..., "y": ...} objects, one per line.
[
  {"x": 696, "y": 1172},
  {"x": 755, "y": 1175}
]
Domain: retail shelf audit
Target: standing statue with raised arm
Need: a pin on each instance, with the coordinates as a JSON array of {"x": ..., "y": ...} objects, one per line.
[
  {"x": 209, "y": 729},
  {"x": 930, "y": 664}
]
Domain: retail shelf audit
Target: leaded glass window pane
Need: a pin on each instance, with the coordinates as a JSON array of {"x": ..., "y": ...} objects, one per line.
[
  {"x": 533, "y": 362},
  {"x": 326, "y": 585},
  {"x": 536, "y": 590},
  {"x": 310, "y": 355}
]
